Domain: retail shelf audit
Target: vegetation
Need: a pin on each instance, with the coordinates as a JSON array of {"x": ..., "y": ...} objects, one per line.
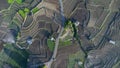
[
  {"x": 12, "y": 26},
  {"x": 75, "y": 30},
  {"x": 24, "y": 12},
  {"x": 18, "y": 1},
  {"x": 10, "y": 1},
  {"x": 18, "y": 36},
  {"x": 34, "y": 10},
  {"x": 64, "y": 43},
  {"x": 42, "y": 66},
  {"x": 21, "y": 12},
  {"x": 51, "y": 44},
  {"x": 68, "y": 24},
  {"x": 117, "y": 65},
  {"x": 14, "y": 56},
  {"x": 75, "y": 59},
  {"x": 71, "y": 25}
]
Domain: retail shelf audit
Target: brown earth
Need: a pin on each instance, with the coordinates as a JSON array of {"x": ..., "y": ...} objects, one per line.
[{"x": 63, "y": 54}]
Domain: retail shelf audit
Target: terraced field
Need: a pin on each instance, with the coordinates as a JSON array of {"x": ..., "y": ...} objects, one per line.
[
  {"x": 38, "y": 29},
  {"x": 3, "y": 4}
]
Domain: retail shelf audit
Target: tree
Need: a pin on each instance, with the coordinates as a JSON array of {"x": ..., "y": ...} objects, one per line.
[
  {"x": 10, "y": 1},
  {"x": 19, "y": 1}
]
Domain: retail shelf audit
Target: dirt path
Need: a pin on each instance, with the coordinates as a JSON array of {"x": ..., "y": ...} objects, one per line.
[{"x": 67, "y": 32}]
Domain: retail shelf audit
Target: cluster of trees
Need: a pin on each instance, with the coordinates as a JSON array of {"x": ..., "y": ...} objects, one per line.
[
  {"x": 71, "y": 25},
  {"x": 34, "y": 10},
  {"x": 24, "y": 12},
  {"x": 18, "y": 1}
]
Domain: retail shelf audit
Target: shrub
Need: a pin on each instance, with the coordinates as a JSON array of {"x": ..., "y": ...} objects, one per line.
[
  {"x": 34, "y": 10},
  {"x": 10, "y": 1},
  {"x": 51, "y": 44},
  {"x": 22, "y": 13}
]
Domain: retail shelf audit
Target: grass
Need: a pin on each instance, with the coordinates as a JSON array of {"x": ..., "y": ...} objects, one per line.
[
  {"x": 42, "y": 66},
  {"x": 73, "y": 32},
  {"x": 45, "y": 67},
  {"x": 64, "y": 43},
  {"x": 117, "y": 65},
  {"x": 12, "y": 26},
  {"x": 13, "y": 56},
  {"x": 16, "y": 22},
  {"x": 51, "y": 44},
  {"x": 18, "y": 36},
  {"x": 74, "y": 58},
  {"x": 34, "y": 10}
]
